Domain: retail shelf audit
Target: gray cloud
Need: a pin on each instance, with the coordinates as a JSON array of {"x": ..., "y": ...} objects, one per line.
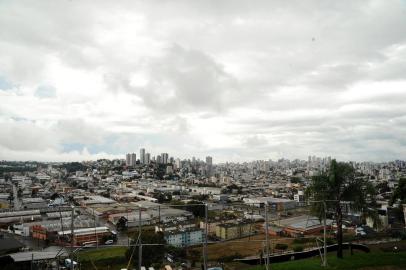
[
  {"x": 235, "y": 79},
  {"x": 187, "y": 78},
  {"x": 180, "y": 80},
  {"x": 25, "y": 136}
]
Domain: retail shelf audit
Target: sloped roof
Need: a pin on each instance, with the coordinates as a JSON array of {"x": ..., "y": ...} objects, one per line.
[{"x": 9, "y": 244}]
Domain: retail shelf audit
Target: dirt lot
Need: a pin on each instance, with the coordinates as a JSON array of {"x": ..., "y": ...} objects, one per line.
[{"x": 249, "y": 246}]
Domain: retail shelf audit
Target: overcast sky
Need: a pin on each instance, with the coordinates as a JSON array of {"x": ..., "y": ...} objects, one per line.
[{"x": 238, "y": 80}]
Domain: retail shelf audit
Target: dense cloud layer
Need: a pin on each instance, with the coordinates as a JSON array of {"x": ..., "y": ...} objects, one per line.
[{"x": 238, "y": 80}]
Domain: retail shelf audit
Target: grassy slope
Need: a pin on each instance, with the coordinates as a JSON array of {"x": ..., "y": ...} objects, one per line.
[
  {"x": 103, "y": 258},
  {"x": 102, "y": 253},
  {"x": 357, "y": 261}
]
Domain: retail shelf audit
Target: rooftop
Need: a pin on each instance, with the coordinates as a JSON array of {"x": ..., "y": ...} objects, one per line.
[{"x": 35, "y": 255}]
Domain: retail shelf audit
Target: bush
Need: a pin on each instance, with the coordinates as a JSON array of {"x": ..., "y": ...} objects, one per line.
[
  {"x": 281, "y": 246},
  {"x": 349, "y": 238},
  {"x": 398, "y": 234},
  {"x": 297, "y": 248},
  {"x": 330, "y": 241}
]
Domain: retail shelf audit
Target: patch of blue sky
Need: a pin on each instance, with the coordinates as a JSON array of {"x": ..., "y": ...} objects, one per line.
[
  {"x": 69, "y": 147},
  {"x": 107, "y": 146},
  {"x": 117, "y": 144},
  {"x": 21, "y": 119},
  {"x": 5, "y": 84},
  {"x": 45, "y": 91}
]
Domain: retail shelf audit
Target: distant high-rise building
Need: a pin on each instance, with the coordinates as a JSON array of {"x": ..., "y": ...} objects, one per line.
[
  {"x": 142, "y": 155},
  {"x": 128, "y": 159},
  {"x": 147, "y": 158},
  {"x": 209, "y": 160},
  {"x": 164, "y": 157},
  {"x": 209, "y": 167},
  {"x": 131, "y": 159},
  {"x": 178, "y": 165},
  {"x": 158, "y": 159}
]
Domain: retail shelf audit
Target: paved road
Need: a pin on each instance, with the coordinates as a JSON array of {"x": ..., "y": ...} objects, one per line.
[
  {"x": 17, "y": 204},
  {"x": 33, "y": 244}
]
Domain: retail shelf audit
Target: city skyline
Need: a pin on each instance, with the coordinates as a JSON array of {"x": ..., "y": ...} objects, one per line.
[{"x": 235, "y": 80}]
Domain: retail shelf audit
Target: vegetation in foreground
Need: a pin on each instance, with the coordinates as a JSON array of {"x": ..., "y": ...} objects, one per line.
[
  {"x": 103, "y": 258},
  {"x": 364, "y": 261},
  {"x": 115, "y": 257}
]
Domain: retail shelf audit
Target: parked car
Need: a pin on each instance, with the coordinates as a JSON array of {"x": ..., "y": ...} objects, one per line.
[
  {"x": 359, "y": 231},
  {"x": 68, "y": 263}
]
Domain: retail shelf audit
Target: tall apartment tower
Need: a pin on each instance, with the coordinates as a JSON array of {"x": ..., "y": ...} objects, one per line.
[
  {"x": 147, "y": 158},
  {"x": 142, "y": 155},
  {"x": 128, "y": 159},
  {"x": 131, "y": 159},
  {"x": 209, "y": 160},
  {"x": 164, "y": 157},
  {"x": 209, "y": 166}
]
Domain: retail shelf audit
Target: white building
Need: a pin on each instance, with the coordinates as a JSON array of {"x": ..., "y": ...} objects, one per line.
[
  {"x": 178, "y": 164},
  {"x": 204, "y": 190},
  {"x": 186, "y": 237},
  {"x": 169, "y": 169},
  {"x": 299, "y": 197},
  {"x": 273, "y": 203}
]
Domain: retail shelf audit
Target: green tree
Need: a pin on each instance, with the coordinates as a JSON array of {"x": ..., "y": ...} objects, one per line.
[
  {"x": 382, "y": 187},
  {"x": 400, "y": 192},
  {"x": 122, "y": 223},
  {"x": 336, "y": 187},
  {"x": 197, "y": 208},
  {"x": 19, "y": 193},
  {"x": 73, "y": 167}
]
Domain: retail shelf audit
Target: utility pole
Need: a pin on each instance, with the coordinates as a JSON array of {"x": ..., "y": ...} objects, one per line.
[
  {"x": 324, "y": 259},
  {"x": 128, "y": 237},
  {"x": 139, "y": 238},
  {"x": 324, "y": 234},
  {"x": 95, "y": 231},
  {"x": 159, "y": 215},
  {"x": 205, "y": 236},
  {"x": 266, "y": 237},
  {"x": 72, "y": 237}
]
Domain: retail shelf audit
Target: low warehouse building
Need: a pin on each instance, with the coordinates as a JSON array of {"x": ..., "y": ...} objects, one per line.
[
  {"x": 84, "y": 236},
  {"x": 227, "y": 231},
  {"x": 303, "y": 225}
]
